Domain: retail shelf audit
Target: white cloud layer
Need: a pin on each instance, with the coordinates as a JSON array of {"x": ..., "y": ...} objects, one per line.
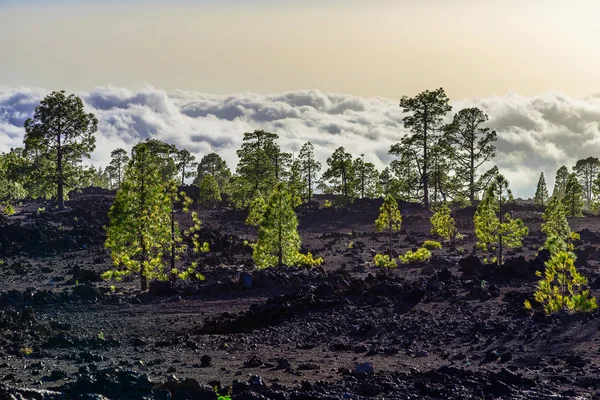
[{"x": 538, "y": 133}]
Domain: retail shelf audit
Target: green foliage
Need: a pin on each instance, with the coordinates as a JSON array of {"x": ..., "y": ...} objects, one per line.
[
  {"x": 309, "y": 168},
  {"x": 295, "y": 185},
  {"x": 419, "y": 256},
  {"x": 140, "y": 222},
  {"x": 495, "y": 230},
  {"x": 541, "y": 193},
  {"x": 556, "y": 227},
  {"x": 587, "y": 171},
  {"x": 384, "y": 261},
  {"x": 307, "y": 260},
  {"x": 560, "y": 182},
  {"x": 9, "y": 210},
  {"x": 366, "y": 178},
  {"x": 213, "y": 164},
  {"x": 350, "y": 245},
  {"x": 573, "y": 197},
  {"x": 432, "y": 245},
  {"x": 40, "y": 210},
  {"x": 278, "y": 240},
  {"x": 101, "y": 336},
  {"x": 222, "y": 396},
  {"x": 389, "y": 220},
  {"x": 258, "y": 160},
  {"x": 186, "y": 165},
  {"x": 472, "y": 146},
  {"x": 256, "y": 210},
  {"x": 340, "y": 175},
  {"x": 165, "y": 155},
  {"x": 61, "y": 134},
  {"x": 26, "y": 351},
  {"x": 423, "y": 150},
  {"x": 327, "y": 204},
  {"x": 444, "y": 225},
  {"x": 116, "y": 168},
  {"x": 210, "y": 194},
  {"x": 560, "y": 288}
]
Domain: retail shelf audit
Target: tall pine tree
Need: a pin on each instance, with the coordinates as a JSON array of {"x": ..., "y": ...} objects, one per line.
[
  {"x": 573, "y": 197},
  {"x": 427, "y": 111},
  {"x": 560, "y": 182},
  {"x": 309, "y": 168},
  {"x": 541, "y": 193}
]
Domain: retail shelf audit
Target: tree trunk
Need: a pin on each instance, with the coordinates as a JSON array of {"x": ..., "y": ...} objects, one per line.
[
  {"x": 144, "y": 255},
  {"x": 280, "y": 255},
  {"x": 500, "y": 233},
  {"x": 425, "y": 161},
  {"x": 472, "y": 176},
  {"x": 390, "y": 241},
  {"x": 173, "y": 276},
  {"x": 60, "y": 196},
  {"x": 182, "y": 174},
  {"x": 309, "y": 184}
]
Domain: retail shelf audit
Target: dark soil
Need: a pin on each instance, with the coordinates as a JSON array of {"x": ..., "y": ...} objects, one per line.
[{"x": 453, "y": 328}]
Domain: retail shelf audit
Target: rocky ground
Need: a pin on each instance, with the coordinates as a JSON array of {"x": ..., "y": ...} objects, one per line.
[{"x": 453, "y": 328}]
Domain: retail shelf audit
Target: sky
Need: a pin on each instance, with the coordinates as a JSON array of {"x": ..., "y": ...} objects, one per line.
[{"x": 201, "y": 73}]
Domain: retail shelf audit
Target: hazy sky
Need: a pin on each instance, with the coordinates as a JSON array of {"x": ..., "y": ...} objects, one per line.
[{"x": 377, "y": 47}]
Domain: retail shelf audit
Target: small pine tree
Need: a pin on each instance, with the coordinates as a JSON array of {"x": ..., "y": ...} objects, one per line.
[
  {"x": 256, "y": 210},
  {"x": 389, "y": 219},
  {"x": 573, "y": 197},
  {"x": 444, "y": 225},
  {"x": 495, "y": 230},
  {"x": 559, "y": 289},
  {"x": 210, "y": 194},
  {"x": 541, "y": 193},
  {"x": 555, "y": 226},
  {"x": 278, "y": 239}
]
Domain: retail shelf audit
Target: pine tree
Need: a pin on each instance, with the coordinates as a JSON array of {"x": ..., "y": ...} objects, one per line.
[
  {"x": 587, "y": 170},
  {"x": 309, "y": 168},
  {"x": 340, "y": 174},
  {"x": 560, "y": 182},
  {"x": 62, "y": 133},
  {"x": 496, "y": 231},
  {"x": 210, "y": 194},
  {"x": 444, "y": 225},
  {"x": 213, "y": 164},
  {"x": 278, "y": 240},
  {"x": 560, "y": 288},
  {"x": 556, "y": 227},
  {"x": 295, "y": 186},
  {"x": 119, "y": 160},
  {"x": 541, "y": 193},
  {"x": 389, "y": 220},
  {"x": 186, "y": 164},
  {"x": 366, "y": 178},
  {"x": 257, "y": 158},
  {"x": 573, "y": 197},
  {"x": 427, "y": 112},
  {"x": 473, "y": 145},
  {"x": 256, "y": 210},
  {"x": 176, "y": 245},
  {"x": 139, "y": 229},
  {"x": 165, "y": 155}
]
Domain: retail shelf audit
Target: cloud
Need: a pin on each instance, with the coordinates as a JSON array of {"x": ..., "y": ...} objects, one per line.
[{"x": 537, "y": 133}]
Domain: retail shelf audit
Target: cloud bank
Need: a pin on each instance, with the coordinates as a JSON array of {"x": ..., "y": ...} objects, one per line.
[{"x": 538, "y": 133}]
